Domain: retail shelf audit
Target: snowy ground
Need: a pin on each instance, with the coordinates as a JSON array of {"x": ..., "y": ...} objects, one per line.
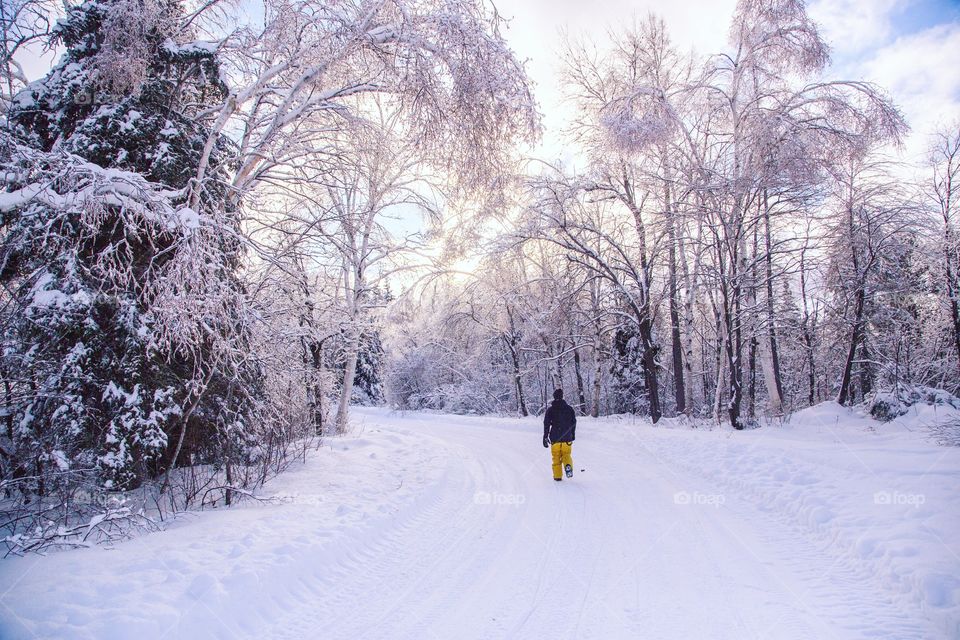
[{"x": 436, "y": 526}]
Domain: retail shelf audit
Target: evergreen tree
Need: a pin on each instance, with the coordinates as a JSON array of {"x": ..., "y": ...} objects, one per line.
[
  {"x": 368, "y": 381},
  {"x": 628, "y": 393},
  {"x": 107, "y": 350}
]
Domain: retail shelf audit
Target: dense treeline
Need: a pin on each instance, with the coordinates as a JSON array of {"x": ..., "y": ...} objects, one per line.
[{"x": 740, "y": 244}]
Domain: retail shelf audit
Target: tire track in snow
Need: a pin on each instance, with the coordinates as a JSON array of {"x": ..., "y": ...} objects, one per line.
[
  {"x": 369, "y": 565},
  {"x": 451, "y": 575},
  {"x": 593, "y": 572}
]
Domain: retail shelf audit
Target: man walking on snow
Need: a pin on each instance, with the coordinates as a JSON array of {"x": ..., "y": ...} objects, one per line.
[{"x": 559, "y": 430}]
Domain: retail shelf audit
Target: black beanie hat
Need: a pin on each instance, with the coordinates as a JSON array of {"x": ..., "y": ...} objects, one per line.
[{"x": 558, "y": 394}]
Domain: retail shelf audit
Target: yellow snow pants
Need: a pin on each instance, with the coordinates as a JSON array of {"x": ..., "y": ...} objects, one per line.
[{"x": 561, "y": 456}]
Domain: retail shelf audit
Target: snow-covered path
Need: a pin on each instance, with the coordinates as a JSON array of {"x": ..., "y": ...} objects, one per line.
[{"x": 429, "y": 526}]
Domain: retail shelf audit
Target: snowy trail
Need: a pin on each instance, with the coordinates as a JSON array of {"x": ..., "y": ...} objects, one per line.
[{"x": 427, "y": 526}]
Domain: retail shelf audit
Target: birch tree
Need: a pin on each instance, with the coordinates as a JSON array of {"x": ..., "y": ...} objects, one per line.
[{"x": 765, "y": 126}]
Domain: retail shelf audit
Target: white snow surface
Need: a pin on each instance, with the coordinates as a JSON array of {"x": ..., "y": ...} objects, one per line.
[{"x": 427, "y": 526}]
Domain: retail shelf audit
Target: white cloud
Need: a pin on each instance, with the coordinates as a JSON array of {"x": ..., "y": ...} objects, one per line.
[
  {"x": 922, "y": 74},
  {"x": 920, "y": 70},
  {"x": 853, "y": 26}
]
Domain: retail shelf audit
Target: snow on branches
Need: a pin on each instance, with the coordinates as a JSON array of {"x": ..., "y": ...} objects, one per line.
[
  {"x": 635, "y": 123},
  {"x": 465, "y": 98},
  {"x": 139, "y": 336}
]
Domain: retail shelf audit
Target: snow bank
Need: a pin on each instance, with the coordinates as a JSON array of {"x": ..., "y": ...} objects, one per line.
[
  {"x": 887, "y": 405},
  {"x": 217, "y": 574},
  {"x": 881, "y": 498}
]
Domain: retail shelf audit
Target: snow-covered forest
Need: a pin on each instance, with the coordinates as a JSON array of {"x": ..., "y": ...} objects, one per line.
[
  {"x": 234, "y": 232},
  {"x": 207, "y": 254},
  {"x": 220, "y": 229}
]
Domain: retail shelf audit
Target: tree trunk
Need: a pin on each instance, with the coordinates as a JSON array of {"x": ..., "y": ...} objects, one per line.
[
  {"x": 543, "y": 385},
  {"x": 581, "y": 396},
  {"x": 811, "y": 370},
  {"x": 554, "y": 375},
  {"x": 312, "y": 354},
  {"x": 690, "y": 282},
  {"x": 680, "y": 392},
  {"x": 752, "y": 379},
  {"x": 644, "y": 312},
  {"x": 512, "y": 345},
  {"x": 866, "y": 374},
  {"x": 732, "y": 331},
  {"x": 688, "y": 321},
  {"x": 349, "y": 373},
  {"x": 517, "y": 374},
  {"x": 316, "y": 392},
  {"x": 721, "y": 371},
  {"x": 771, "y": 354},
  {"x": 228, "y": 495},
  {"x": 736, "y": 383},
  {"x": 679, "y": 388},
  {"x": 521, "y": 401},
  {"x": 844, "y": 394},
  {"x": 597, "y": 382},
  {"x": 649, "y": 362},
  {"x": 558, "y": 384},
  {"x": 807, "y": 330},
  {"x": 719, "y": 363}
]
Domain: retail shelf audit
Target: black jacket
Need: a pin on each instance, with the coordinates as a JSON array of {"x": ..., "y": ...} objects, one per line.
[{"x": 559, "y": 422}]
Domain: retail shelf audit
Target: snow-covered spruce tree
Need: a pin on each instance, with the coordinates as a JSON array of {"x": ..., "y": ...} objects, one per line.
[
  {"x": 627, "y": 385},
  {"x": 121, "y": 303},
  {"x": 368, "y": 379}
]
